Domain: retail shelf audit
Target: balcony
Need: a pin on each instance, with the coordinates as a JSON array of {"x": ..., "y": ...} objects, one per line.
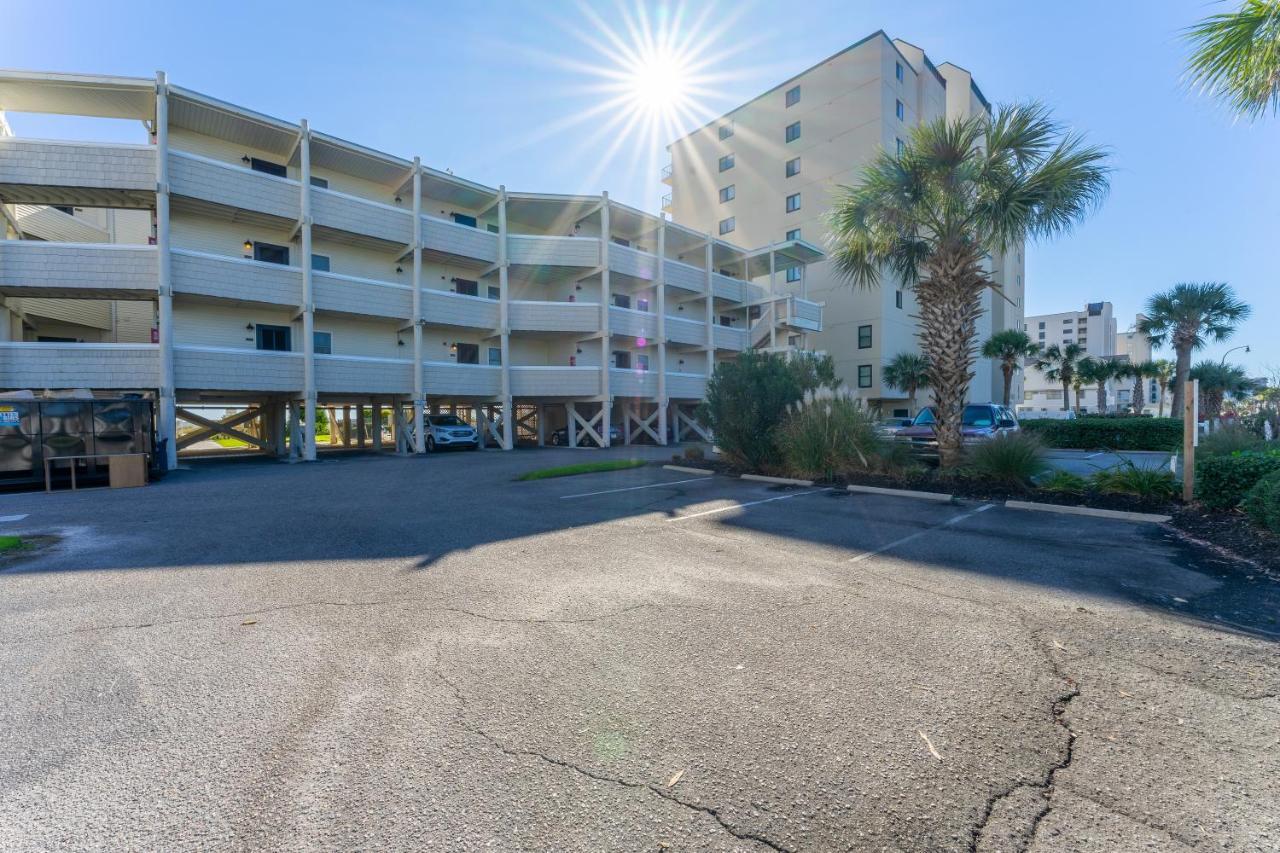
[
  {"x": 555, "y": 381},
  {"x": 236, "y": 369},
  {"x": 77, "y": 270},
  {"x": 452, "y": 240},
  {"x": 240, "y": 279},
  {"x": 365, "y": 297},
  {"x": 440, "y": 307},
  {"x": 363, "y": 375},
  {"x": 665, "y": 176},
  {"x": 633, "y": 263},
  {"x": 215, "y": 182},
  {"x": 682, "y": 331},
  {"x": 686, "y": 386},
  {"x": 532, "y": 316},
  {"x": 448, "y": 379},
  {"x": 41, "y": 171},
  {"x": 50, "y": 365},
  {"x": 539, "y": 251},
  {"x": 635, "y": 324},
  {"x": 727, "y": 288},
  {"x": 685, "y": 276},
  {"x": 632, "y": 382},
  {"x": 665, "y": 203},
  {"x": 354, "y": 215},
  {"x": 727, "y": 337},
  {"x": 806, "y": 314}
]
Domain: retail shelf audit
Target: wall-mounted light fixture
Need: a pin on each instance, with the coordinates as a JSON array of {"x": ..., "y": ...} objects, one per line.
[
  {"x": 248, "y": 245},
  {"x": 399, "y": 269},
  {"x": 579, "y": 350},
  {"x": 397, "y": 199},
  {"x": 399, "y": 342},
  {"x": 249, "y": 326},
  {"x": 246, "y": 159}
]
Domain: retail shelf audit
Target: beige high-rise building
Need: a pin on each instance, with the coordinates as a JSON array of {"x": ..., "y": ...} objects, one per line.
[
  {"x": 1095, "y": 330},
  {"x": 767, "y": 172}
]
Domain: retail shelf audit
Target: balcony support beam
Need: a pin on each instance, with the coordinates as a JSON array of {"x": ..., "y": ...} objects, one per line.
[
  {"x": 504, "y": 323},
  {"x": 709, "y": 307},
  {"x": 606, "y": 334},
  {"x": 419, "y": 379},
  {"x": 308, "y": 450},
  {"x": 167, "y": 424},
  {"x": 660, "y": 286},
  {"x": 773, "y": 294}
]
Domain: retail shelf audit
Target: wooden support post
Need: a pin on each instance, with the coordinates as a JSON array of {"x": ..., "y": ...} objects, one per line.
[
  {"x": 571, "y": 418},
  {"x": 1190, "y": 430},
  {"x": 377, "y": 426},
  {"x": 542, "y": 425}
]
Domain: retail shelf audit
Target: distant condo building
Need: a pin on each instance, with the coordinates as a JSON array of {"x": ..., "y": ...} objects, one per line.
[{"x": 1093, "y": 329}]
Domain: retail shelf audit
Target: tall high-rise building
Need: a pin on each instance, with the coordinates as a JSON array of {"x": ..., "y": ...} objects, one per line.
[{"x": 768, "y": 171}]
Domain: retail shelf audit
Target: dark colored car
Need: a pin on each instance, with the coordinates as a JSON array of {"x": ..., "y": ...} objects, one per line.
[
  {"x": 980, "y": 422},
  {"x": 561, "y": 437}
]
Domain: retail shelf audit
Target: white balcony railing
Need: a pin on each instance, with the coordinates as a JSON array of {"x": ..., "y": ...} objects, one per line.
[
  {"x": 533, "y": 250},
  {"x": 535, "y": 316},
  {"x": 682, "y": 331},
  {"x": 241, "y": 279},
  {"x": 34, "y": 170},
  {"x": 76, "y": 270},
  {"x": 538, "y": 381},
  {"x": 369, "y": 297},
  {"x": 636, "y": 324},
  {"x": 198, "y": 177},
  {"x": 728, "y": 288},
  {"x": 354, "y": 215},
  {"x": 685, "y": 276},
  {"x": 35, "y": 366},
  {"x": 456, "y": 309},
  {"x": 632, "y": 382},
  {"x": 633, "y": 263},
  {"x": 363, "y": 375},
  {"x": 460, "y": 241},
  {"x": 446, "y": 378},
  {"x": 686, "y": 386},
  {"x": 236, "y": 369},
  {"x": 727, "y": 337}
]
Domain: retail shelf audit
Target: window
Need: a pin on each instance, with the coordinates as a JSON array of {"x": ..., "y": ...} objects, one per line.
[
  {"x": 320, "y": 263},
  {"x": 727, "y": 225},
  {"x": 495, "y": 356},
  {"x": 495, "y": 292},
  {"x": 899, "y": 110},
  {"x": 897, "y": 71},
  {"x": 753, "y": 313},
  {"x": 793, "y": 96},
  {"x": 793, "y": 167},
  {"x": 622, "y": 300},
  {"x": 270, "y": 253},
  {"x": 897, "y": 299},
  {"x": 621, "y": 359},
  {"x": 902, "y": 146},
  {"x": 726, "y": 320},
  {"x": 67, "y": 209},
  {"x": 793, "y": 131},
  {"x": 793, "y": 202},
  {"x": 864, "y": 376},
  {"x": 275, "y": 338},
  {"x": 793, "y": 234},
  {"x": 465, "y": 287},
  {"x": 642, "y": 362},
  {"x": 467, "y": 353},
  {"x": 864, "y": 337},
  {"x": 322, "y": 183},
  {"x": 726, "y": 130},
  {"x": 492, "y": 229},
  {"x": 728, "y": 193},
  {"x": 267, "y": 167},
  {"x": 726, "y": 162},
  {"x": 794, "y": 273},
  {"x": 464, "y": 219},
  {"x": 1042, "y": 336},
  {"x": 322, "y": 343},
  {"x": 642, "y": 304},
  {"x": 620, "y": 241},
  {"x": 901, "y": 413},
  {"x": 1042, "y": 324}
]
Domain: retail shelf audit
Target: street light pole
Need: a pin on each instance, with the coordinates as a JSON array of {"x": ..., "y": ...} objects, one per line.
[{"x": 1244, "y": 347}]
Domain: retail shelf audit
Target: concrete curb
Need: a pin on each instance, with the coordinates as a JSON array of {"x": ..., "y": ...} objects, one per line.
[
  {"x": 685, "y": 470},
  {"x": 781, "y": 481},
  {"x": 902, "y": 493},
  {"x": 1119, "y": 515}
]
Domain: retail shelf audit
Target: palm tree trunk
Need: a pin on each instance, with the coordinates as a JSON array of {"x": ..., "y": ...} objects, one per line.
[
  {"x": 1139, "y": 395},
  {"x": 1066, "y": 395},
  {"x": 1102, "y": 398},
  {"x": 1182, "y": 366},
  {"x": 1160, "y": 405},
  {"x": 911, "y": 402},
  {"x": 1008, "y": 382}
]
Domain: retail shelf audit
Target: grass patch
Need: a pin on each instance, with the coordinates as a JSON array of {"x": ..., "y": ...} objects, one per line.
[
  {"x": 10, "y": 543},
  {"x": 582, "y": 468}
]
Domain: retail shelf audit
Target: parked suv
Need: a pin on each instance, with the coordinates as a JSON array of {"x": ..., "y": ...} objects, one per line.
[
  {"x": 980, "y": 422},
  {"x": 449, "y": 431}
]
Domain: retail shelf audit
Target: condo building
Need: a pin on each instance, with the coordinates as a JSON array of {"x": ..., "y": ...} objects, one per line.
[
  {"x": 233, "y": 260},
  {"x": 766, "y": 173},
  {"x": 1095, "y": 330}
]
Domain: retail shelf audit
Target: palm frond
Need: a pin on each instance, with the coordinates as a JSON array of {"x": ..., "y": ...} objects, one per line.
[{"x": 1236, "y": 57}]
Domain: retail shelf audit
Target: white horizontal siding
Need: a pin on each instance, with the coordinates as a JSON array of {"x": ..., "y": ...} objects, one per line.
[
  {"x": 553, "y": 251},
  {"x": 361, "y": 216},
  {"x": 686, "y": 277},
  {"x": 727, "y": 337},
  {"x": 462, "y": 241},
  {"x": 227, "y": 369},
  {"x": 199, "y": 177},
  {"x": 336, "y": 374},
  {"x": 682, "y": 331},
  {"x": 637, "y": 324},
  {"x": 456, "y": 309},
  {"x": 76, "y": 269},
  {"x": 95, "y": 313},
  {"x": 686, "y": 386},
  {"x": 534, "y": 316},
  {"x": 808, "y": 314},
  {"x": 725, "y": 287},
  {"x": 632, "y": 383},
  {"x": 47, "y": 223},
  {"x": 463, "y": 380},
  {"x": 38, "y": 365},
  {"x": 555, "y": 381},
  {"x": 49, "y": 163},
  {"x": 641, "y": 265},
  {"x": 351, "y": 295},
  {"x": 235, "y": 278}
]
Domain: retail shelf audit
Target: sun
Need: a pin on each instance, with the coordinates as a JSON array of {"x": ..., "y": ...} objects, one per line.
[{"x": 658, "y": 82}]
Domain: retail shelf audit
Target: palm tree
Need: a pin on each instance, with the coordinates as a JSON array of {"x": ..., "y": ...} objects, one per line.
[
  {"x": 960, "y": 192},
  {"x": 1187, "y": 316},
  {"x": 1217, "y": 380},
  {"x": 1164, "y": 381},
  {"x": 907, "y": 371},
  {"x": 1140, "y": 372},
  {"x": 1009, "y": 347},
  {"x": 1236, "y": 57},
  {"x": 1058, "y": 364},
  {"x": 1096, "y": 371}
]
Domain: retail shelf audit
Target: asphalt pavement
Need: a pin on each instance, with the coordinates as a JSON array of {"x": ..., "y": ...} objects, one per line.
[{"x": 420, "y": 653}]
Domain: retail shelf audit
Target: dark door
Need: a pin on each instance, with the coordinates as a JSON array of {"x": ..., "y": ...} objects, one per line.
[
  {"x": 468, "y": 354},
  {"x": 275, "y": 338},
  {"x": 271, "y": 253}
]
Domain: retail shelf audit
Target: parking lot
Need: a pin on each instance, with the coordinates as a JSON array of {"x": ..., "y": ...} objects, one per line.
[{"x": 406, "y": 653}]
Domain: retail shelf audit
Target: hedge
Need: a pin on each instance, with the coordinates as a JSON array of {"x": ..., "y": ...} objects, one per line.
[
  {"x": 1092, "y": 433},
  {"x": 1223, "y": 481},
  {"x": 1262, "y": 503}
]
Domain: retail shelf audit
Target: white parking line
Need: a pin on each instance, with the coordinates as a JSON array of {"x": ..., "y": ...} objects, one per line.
[
  {"x": 905, "y": 539},
  {"x": 748, "y": 503},
  {"x": 13, "y": 517},
  {"x": 630, "y": 488}
]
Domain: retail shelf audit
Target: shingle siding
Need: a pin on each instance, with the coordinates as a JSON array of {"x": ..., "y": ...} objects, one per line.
[
  {"x": 70, "y": 164},
  {"x": 70, "y": 268},
  {"x": 39, "y": 365}
]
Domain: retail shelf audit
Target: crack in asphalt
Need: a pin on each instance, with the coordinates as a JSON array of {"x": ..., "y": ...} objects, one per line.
[{"x": 497, "y": 743}]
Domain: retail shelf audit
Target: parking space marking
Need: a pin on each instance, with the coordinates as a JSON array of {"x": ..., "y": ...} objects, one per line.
[
  {"x": 748, "y": 503},
  {"x": 628, "y": 488},
  {"x": 18, "y": 517},
  {"x": 905, "y": 539}
]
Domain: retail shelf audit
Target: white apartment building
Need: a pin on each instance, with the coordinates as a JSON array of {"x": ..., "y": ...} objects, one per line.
[
  {"x": 232, "y": 259},
  {"x": 766, "y": 173},
  {"x": 1094, "y": 329}
]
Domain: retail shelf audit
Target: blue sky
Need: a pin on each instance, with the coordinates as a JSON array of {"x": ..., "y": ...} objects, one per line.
[{"x": 510, "y": 92}]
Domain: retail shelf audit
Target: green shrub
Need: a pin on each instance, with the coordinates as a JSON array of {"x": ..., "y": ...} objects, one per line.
[
  {"x": 1063, "y": 481},
  {"x": 748, "y": 398},
  {"x": 1262, "y": 502},
  {"x": 1223, "y": 481},
  {"x": 1130, "y": 479},
  {"x": 1116, "y": 433},
  {"x": 828, "y": 433},
  {"x": 895, "y": 459},
  {"x": 1229, "y": 440},
  {"x": 694, "y": 454},
  {"x": 1012, "y": 460}
]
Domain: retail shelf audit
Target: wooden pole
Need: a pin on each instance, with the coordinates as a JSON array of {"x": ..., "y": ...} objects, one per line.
[{"x": 1189, "y": 429}]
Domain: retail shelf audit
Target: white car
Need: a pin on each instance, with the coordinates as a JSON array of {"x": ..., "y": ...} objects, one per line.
[{"x": 449, "y": 431}]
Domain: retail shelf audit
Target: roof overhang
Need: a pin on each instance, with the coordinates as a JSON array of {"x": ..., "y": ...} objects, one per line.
[
  {"x": 211, "y": 117},
  {"x": 550, "y": 212},
  {"x": 793, "y": 253},
  {"x": 78, "y": 94}
]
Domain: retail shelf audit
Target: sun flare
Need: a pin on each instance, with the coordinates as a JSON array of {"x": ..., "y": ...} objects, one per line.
[{"x": 658, "y": 82}]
